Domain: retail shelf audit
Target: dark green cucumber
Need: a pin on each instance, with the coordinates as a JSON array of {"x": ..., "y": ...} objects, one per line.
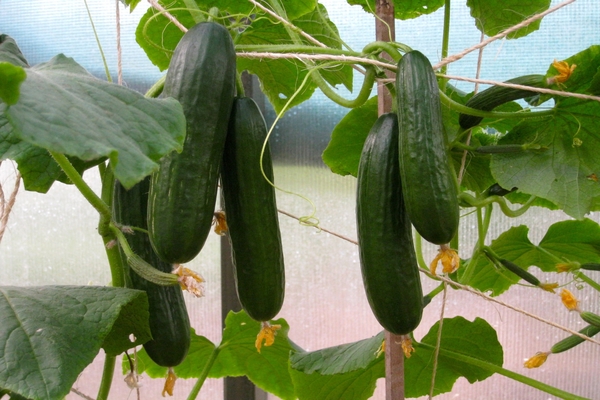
[
  {"x": 251, "y": 213},
  {"x": 573, "y": 340},
  {"x": 428, "y": 182},
  {"x": 387, "y": 256},
  {"x": 495, "y": 96},
  {"x": 183, "y": 191},
  {"x": 169, "y": 321}
]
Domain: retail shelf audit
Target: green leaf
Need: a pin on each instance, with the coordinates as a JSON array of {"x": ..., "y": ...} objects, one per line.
[
  {"x": 293, "y": 9},
  {"x": 348, "y": 371},
  {"x": 64, "y": 109},
  {"x": 342, "y": 154},
  {"x": 11, "y": 77},
  {"x": 10, "y": 52},
  {"x": 564, "y": 241},
  {"x": 198, "y": 354},
  {"x": 565, "y": 171},
  {"x": 238, "y": 355},
  {"x": 403, "y": 9},
  {"x": 51, "y": 333},
  {"x": 131, "y": 4},
  {"x": 475, "y": 339},
  {"x": 158, "y": 36},
  {"x": 585, "y": 75},
  {"x": 494, "y": 16}
]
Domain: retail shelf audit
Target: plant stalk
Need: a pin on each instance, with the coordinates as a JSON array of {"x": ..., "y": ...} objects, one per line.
[
  {"x": 107, "y": 377},
  {"x": 200, "y": 382}
]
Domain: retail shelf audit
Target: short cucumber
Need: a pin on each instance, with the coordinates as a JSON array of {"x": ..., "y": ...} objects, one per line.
[
  {"x": 387, "y": 256},
  {"x": 251, "y": 212},
  {"x": 428, "y": 182},
  {"x": 495, "y": 96},
  {"x": 169, "y": 321},
  {"x": 183, "y": 192}
]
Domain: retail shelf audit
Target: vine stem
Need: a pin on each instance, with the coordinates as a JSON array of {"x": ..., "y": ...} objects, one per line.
[
  {"x": 107, "y": 377},
  {"x": 200, "y": 382},
  {"x": 505, "y": 372}
]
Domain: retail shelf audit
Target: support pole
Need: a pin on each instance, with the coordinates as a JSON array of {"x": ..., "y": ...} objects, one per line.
[{"x": 394, "y": 356}]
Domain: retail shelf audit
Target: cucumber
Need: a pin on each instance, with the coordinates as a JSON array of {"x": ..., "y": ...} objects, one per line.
[
  {"x": 428, "y": 182},
  {"x": 183, "y": 191},
  {"x": 387, "y": 256},
  {"x": 494, "y": 96},
  {"x": 169, "y": 321},
  {"x": 251, "y": 213}
]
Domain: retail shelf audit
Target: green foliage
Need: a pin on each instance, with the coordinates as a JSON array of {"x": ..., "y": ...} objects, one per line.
[
  {"x": 342, "y": 154},
  {"x": 51, "y": 333},
  {"x": 493, "y": 16},
  {"x": 11, "y": 77},
  {"x": 564, "y": 241},
  {"x": 403, "y": 9},
  {"x": 63, "y": 108},
  {"x": 237, "y": 356}
]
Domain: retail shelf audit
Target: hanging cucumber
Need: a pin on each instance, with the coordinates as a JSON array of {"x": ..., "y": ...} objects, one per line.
[
  {"x": 251, "y": 213},
  {"x": 183, "y": 191},
  {"x": 169, "y": 322},
  {"x": 388, "y": 262},
  {"x": 495, "y": 96},
  {"x": 428, "y": 182}
]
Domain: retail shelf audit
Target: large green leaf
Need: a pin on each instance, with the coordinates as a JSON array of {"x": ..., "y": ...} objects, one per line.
[
  {"x": 63, "y": 108},
  {"x": 293, "y": 9},
  {"x": 237, "y": 356},
  {"x": 348, "y": 371},
  {"x": 564, "y": 241},
  {"x": 403, "y": 9},
  {"x": 565, "y": 172},
  {"x": 158, "y": 36},
  {"x": 476, "y": 339},
  {"x": 50, "y": 334},
  {"x": 342, "y": 154},
  {"x": 493, "y": 16}
]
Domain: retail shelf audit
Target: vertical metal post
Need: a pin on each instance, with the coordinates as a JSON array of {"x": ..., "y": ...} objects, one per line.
[
  {"x": 235, "y": 388},
  {"x": 394, "y": 356}
]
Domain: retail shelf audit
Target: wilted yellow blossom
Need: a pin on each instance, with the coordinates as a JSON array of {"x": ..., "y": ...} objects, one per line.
[
  {"x": 220, "y": 223},
  {"x": 407, "y": 346},
  {"x": 267, "y": 334},
  {"x": 569, "y": 300},
  {"x": 169, "y": 383},
  {"x": 548, "y": 287},
  {"x": 567, "y": 266},
  {"x": 189, "y": 280},
  {"x": 536, "y": 360},
  {"x": 564, "y": 72},
  {"x": 449, "y": 259}
]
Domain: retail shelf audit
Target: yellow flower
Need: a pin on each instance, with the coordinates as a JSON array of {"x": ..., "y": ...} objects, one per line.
[
  {"x": 267, "y": 334},
  {"x": 564, "y": 72},
  {"x": 449, "y": 259},
  {"x": 548, "y": 287},
  {"x": 189, "y": 280},
  {"x": 169, "y": 383},
  {"x": 569, "y": 300},
  {"x": 407, "y": 346},
  {"x": 567, "y": 266},
  {"x": 220, "y": 223},
  {"x": 537, "y": 360}
]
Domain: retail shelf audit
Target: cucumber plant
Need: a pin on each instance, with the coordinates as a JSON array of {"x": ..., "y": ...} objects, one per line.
[{"x": 453, "y": 155}]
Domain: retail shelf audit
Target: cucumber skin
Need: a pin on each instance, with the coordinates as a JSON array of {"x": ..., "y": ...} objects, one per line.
[
  {"x": 495, "y": 96},
  {"x": 428, "y": 182},
  {"x": 169, "y": 321},
  {"x": 251, "y": 212},
  {"x": 183, "y": 191},
  {"x": 388, "y": 262}
]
